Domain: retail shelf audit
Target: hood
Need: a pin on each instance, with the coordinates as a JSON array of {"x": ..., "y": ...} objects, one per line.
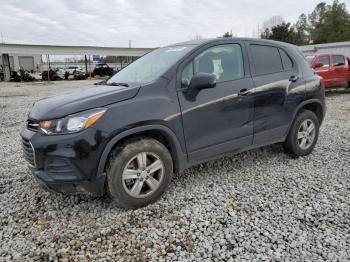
[{"x": 81, "y": 99}]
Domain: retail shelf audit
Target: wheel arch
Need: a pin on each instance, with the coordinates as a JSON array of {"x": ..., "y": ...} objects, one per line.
[
  {"x": 160, "y": 133},
  {"x": 314, "y": 105}
]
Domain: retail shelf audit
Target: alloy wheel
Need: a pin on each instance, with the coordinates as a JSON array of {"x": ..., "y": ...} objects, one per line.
[
  {"x": 143, "y": 174},
  {"x": 306, "y": 134}
]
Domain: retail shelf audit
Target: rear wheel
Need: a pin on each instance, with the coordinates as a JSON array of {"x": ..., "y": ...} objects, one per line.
[
  {"x": 303, "y": 134},
  {"x": 138, "y": 172}
]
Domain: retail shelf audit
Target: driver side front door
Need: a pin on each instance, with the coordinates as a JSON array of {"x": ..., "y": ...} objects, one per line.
[{"x": 217, "y": 120}]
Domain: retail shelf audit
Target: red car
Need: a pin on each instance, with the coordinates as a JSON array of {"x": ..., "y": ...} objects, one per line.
[{"x": 333, "y": 68}]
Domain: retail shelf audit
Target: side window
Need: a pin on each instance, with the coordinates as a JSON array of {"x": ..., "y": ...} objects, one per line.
[
  {"x": 338, "y": 60},
  {"x": 286, "y": 61},
  {"x": 186, "y": 75},
  {"x": 266, "y": 59},
  {"x": 224, "y": 61},
  {"x": 324, "y": 60}
]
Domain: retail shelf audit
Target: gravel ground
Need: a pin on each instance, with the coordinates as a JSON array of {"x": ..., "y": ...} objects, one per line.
[{"x": 259, "y": 205}]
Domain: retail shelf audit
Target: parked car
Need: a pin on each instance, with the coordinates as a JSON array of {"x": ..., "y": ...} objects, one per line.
[
  {"x": 79, "y": 75},
  {"x": 72, "y": 69},
  {"x": 15, "y": 77},
  {"x": 55, "y": 74},
  {"x": 103, "y": 70},
  {"x": 173, "y": 108},
  {"x": 333, "y": 68},
  {"x": 24, "y": 76}
]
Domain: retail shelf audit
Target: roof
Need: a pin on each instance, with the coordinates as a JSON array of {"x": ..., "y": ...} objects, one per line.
[{"x": 221, "y": 39}]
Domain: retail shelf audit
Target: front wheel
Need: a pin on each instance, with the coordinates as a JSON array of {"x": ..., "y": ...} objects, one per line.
[
  {"x": 138, "y": 172},
  {"x": 303, "y": 134}
]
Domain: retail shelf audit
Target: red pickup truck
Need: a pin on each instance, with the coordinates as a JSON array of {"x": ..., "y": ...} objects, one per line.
[{"x": 333, "y": 68}]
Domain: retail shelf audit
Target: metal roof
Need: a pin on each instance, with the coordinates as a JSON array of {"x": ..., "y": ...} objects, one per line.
[
  {"x": 333, "y": 48},
  {"x": 71, "y": 50},
  {"x": 325, "y": 46}
]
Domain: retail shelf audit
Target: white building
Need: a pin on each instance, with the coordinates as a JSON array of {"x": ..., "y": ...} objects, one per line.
[
  {"x": 339, "y": 48},
  {"x": 29, "y": 57},
  {"x": 26, "y": 61}
]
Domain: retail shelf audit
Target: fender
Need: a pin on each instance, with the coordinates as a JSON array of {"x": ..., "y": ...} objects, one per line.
[
  {"x": 304, "y": 103},
  {"x": 180, "y": 155}
]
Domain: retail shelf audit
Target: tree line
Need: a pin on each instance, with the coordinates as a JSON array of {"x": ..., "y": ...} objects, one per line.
[{"x": 327, "y": 23}]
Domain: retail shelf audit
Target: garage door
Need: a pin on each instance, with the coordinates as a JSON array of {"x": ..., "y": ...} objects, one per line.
[{"x": 26, "y": 62}]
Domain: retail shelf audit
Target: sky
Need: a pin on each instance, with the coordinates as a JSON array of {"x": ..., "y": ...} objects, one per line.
[{"x": 147, "y": 23}]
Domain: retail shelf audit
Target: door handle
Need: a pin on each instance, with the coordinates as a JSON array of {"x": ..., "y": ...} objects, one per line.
[
  {"x": 243, "y": 92},
  {"x": 293, "y": 78}
]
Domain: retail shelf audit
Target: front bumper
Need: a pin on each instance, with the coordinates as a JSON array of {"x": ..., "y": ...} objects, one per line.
[
  {"x": 66, "y": 163},
  {"x": 92, "y": 186}
]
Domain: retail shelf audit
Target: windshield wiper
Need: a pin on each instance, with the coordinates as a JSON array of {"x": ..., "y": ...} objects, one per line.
[{"x": 118, "y": 84}]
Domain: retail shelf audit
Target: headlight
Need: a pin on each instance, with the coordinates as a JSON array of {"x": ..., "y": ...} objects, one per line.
[{"x": 72, "y": 123}]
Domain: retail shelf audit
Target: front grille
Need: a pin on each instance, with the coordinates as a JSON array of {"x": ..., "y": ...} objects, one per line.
[
  {"x": 31, "y": 124},
  {"x": 28, "y": 152}
]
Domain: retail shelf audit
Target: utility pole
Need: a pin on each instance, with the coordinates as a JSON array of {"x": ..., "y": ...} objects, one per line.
[
  {"x": 2, "y": 38},
  {"x": 86, "y": 65},
  {"x": 48, "y": 67},
  {"x": 129, "y": 56},
  {"x": 90, "y": 66}
]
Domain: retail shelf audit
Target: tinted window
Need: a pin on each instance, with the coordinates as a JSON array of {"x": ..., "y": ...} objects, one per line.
[
  {"x": 266, "y": 59},
  {"x": 286, "y": 61},
  {"x": 324, "y": 60},
  {"x": 224, "y": 61},
  {"x": 338, "y": 60}
]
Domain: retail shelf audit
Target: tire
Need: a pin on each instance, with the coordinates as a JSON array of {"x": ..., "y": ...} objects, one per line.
[
  {"x": 126, "y": 172},
  {"x": 301, "y": 127}
]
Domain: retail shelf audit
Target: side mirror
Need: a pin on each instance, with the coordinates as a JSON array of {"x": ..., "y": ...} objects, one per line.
[
  {"x": 317, "y": 65},
  {"x": 202, "y": 81}
]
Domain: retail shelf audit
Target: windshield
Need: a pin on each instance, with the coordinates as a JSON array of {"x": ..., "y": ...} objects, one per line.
[
  {"x": 309, "y": 58},
  {"x": 151, "y": 66}
]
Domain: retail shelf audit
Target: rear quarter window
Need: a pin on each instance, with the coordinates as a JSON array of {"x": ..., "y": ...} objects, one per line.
[{"x": 286, "y": 61}]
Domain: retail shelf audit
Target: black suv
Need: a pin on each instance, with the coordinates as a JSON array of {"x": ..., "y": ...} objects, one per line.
[
  {"x": 103, "y": 70},
  {"x": 174, "y": 107}
]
